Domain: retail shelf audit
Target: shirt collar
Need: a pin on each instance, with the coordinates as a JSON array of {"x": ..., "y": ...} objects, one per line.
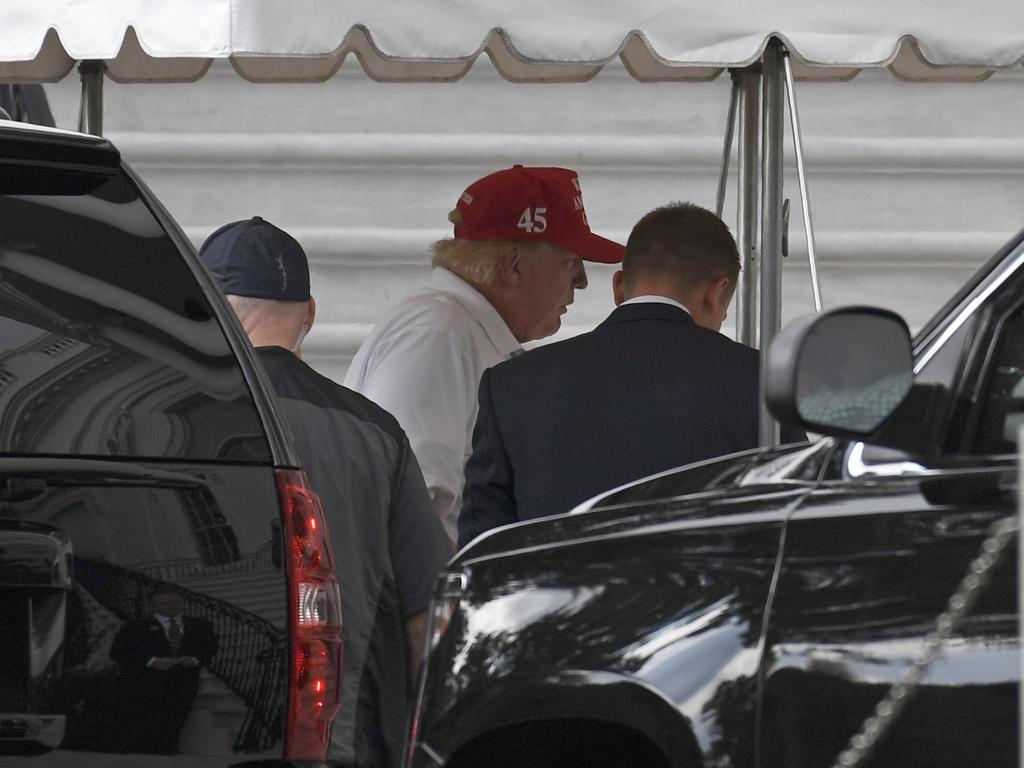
[
  {"x": 165, "y": 621},
  {"x": 651, "y": 299},
  {"x": 490, "y": 320}
]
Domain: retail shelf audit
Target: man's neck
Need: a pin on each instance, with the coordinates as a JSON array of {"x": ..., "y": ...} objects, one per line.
[
  {"x": 504, "y": 304},
  {"x": 271, "y": 338}
]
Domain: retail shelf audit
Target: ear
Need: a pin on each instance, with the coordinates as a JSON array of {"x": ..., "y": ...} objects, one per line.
[
  {"x": 618, "y": 288},
  {"x": 715, "y": 293},
  {"x": 509, "y": 264},
  {"x": 310, "y": 312}
]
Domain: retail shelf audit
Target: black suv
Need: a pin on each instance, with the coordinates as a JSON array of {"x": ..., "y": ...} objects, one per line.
[
  {"x": 848, "y": 602},
  {"x": 165, "y": 583}
]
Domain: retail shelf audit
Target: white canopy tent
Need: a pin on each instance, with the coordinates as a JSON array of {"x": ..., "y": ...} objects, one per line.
[
  {"x": 762, "y": 45},
  {"x": 529, "y": 41}
]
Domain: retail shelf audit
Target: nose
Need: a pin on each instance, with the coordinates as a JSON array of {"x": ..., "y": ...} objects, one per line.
[{"x": 579, "y": 277}]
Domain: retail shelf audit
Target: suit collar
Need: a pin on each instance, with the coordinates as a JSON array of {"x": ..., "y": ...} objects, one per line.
[
  {"x": 649, "y": 311},
  {"x": 655, "y": 299}
]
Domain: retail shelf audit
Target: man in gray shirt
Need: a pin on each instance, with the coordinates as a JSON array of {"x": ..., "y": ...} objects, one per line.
[{"x": 388, "y": 543}]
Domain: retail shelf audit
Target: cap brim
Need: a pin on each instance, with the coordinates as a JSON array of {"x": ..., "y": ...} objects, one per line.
[{"x": 599, "y": 249}]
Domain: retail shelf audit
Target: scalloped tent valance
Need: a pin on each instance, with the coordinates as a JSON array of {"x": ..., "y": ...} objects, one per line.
[{"x": 527, "y": 41}]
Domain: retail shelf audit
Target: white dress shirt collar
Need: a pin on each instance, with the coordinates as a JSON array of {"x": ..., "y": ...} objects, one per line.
[
  {"x": 652, "y": 299},
  {"x": 165, "y": 621}
]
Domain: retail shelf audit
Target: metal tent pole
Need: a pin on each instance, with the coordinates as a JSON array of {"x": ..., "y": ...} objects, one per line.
[
  {"x": 90, "y": 110},
  {"x": 798, "y": 149},
  {"x": 746, "y": 205},
  {"x": 730, "y": 126},
  {"x": 772, "y": 134}
]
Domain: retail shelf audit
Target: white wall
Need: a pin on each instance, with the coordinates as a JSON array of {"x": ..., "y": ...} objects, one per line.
[{"x": 911, "y": 185}]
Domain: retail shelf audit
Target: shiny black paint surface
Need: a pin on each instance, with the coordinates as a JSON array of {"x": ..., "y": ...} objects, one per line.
[
  {"x": 670, "y": 651},
  {"x": 865, "y": 574},
  {"x": 137, "y": 452},
  {"x": 81, "y": 545},
  {"x": 652, "y": 617},
  {"x": 696, "y": 491},
  {"x": 108, "y": 345}
]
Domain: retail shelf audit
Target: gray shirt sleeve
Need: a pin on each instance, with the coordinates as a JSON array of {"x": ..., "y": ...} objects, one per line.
[{"x": 419, "y": 546}]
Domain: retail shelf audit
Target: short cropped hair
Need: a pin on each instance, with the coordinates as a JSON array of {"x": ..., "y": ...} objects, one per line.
[{"x": 681, "y": 242}]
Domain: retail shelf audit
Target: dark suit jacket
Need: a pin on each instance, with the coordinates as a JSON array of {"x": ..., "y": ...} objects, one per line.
[
  {"x": 139, "y": 641},
  {"x": 645, "y": 391}
]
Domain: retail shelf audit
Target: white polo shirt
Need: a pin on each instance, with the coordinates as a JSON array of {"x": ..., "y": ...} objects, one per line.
[{"x": 423, "y": 363}]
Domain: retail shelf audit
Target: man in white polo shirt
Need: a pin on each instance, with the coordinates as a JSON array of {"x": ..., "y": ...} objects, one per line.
[{"x": 506, "y": 278}]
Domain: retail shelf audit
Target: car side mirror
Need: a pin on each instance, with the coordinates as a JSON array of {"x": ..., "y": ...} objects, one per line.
[{"x": 843, "y": 372}]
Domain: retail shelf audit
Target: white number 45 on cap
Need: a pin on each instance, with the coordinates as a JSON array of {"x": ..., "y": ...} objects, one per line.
[{"x": 533, "y": 220}]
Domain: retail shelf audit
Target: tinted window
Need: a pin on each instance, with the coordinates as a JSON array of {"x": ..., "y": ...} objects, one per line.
[
  {"x": 944, "y": 370},
  {"x": 108, "y": 346},
  {"x": 1002, "y": 402}
]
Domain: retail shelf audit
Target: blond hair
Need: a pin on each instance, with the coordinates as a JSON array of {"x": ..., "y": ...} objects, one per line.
[{"x": 475, "y": 261}]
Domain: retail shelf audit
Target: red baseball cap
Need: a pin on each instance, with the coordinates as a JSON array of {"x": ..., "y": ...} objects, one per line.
[{"x": 523, "y": 203}]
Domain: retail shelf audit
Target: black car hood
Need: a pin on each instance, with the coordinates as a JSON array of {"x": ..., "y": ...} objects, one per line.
[{"x": 707, "y": 488}]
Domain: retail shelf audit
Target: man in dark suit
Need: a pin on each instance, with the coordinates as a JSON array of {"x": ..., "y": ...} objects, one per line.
[
  {"x": 655, "y": 386},
  {"x": 161, "y": 657}
]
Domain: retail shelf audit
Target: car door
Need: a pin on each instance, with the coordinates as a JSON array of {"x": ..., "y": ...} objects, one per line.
[
  {"x": 872, "y": 558},
  {"x": 865, "y": 576},
  {"x": 135, "y": 465}
]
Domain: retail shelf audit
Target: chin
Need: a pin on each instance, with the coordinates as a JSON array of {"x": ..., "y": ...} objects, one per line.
[{"x": 549, "y": 330}]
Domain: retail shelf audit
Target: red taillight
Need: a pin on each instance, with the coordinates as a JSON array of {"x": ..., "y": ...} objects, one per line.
[{"x": 314, "y": 618}]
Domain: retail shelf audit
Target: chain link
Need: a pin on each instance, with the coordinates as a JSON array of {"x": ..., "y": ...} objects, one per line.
[{"x": 888, "y": 709}]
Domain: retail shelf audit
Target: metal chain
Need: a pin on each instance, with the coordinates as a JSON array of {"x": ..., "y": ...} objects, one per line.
[{"x": 887, "y": 710}]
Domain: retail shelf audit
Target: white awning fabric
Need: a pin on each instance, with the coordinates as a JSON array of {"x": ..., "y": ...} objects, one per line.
[{"x": 528, "y": 40}]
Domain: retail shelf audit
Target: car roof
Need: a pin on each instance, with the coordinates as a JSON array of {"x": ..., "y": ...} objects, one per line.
[
  {"x": 23, "y": 143},
  {"x": 32, "y": 128}
]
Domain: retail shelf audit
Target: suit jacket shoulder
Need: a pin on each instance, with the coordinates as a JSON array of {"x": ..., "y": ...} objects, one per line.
[{"x": 645, "y": 391}]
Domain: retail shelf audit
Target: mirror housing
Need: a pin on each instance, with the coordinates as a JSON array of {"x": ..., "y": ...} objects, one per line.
[{"x": 844, "y": 372}]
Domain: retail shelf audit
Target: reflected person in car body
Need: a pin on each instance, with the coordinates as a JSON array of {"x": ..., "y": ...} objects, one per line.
[
  {"x": 161, "y": 657},
  {"x": 388, "y": 543},
  {"x": 655, "y": 386}
]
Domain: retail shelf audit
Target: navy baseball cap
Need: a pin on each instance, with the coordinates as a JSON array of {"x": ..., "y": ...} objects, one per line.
[{"x": 254, "y": 258}]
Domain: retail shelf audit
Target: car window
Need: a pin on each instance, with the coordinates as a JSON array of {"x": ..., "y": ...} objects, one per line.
[
  {"x": 108, "y": 346},
  {"x": 944, "y": 369},
  {"x": 1002, "y": 400},
  {"x": 957, "y": 346}
]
